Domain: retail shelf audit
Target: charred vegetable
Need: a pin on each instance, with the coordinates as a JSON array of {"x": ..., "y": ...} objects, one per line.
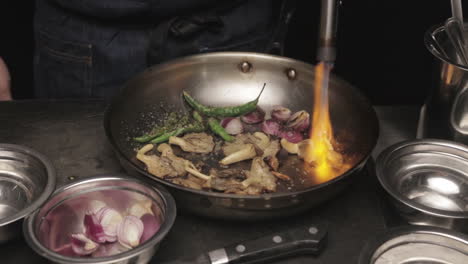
[
  {"x": 231, "y": 111},
  {"x": 216, "y": 128}
]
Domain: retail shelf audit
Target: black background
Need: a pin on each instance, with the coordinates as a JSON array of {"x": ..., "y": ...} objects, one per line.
[{"x": 380, "y": 45}]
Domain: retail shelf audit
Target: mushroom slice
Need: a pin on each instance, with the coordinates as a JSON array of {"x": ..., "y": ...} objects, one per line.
[
  {"x": 154, "y": 164},
  {"x": 260, "y": 176},
  {"x": 194, "y": 142},
  {"x": 178, "y": 164},
  {"x": 247, "y": 152},
  {"x": 190, "y": 168},
  {"x": 261, "y": 140}
]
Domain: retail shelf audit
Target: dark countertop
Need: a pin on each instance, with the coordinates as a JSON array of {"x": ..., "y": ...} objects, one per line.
[{"x": 71, "y": 134}]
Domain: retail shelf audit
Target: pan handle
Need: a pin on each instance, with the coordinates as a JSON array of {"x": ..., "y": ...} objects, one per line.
[{"x": 308, "y": 239}]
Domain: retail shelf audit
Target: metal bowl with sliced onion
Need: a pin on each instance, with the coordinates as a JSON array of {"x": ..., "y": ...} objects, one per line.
[{"x": 105, "y": 219}]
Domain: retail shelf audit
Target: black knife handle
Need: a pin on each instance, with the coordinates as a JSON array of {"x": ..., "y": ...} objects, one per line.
[{"x": 305, "y": 240}]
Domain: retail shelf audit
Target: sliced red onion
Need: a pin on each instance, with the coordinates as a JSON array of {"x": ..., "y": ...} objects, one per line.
[
  {"x": 292, "y": 136},
  {"x": 254, "y": 117},
  {"x": 94, "y": 229},
  {"x": 271, "y": 127},
  {"x": 95, "y": 205},
  {"x": 280, "y": 113},
  {"x": 299, "y": 121},
  {"x": 232, "y": 125},
  {"x": 151, "y": 226},
  {"x": 66, "y": 250},
  {"x": 130, "y": 231},
  {"x": 109, "y": 220},
  {"x": 108, "y": 250},
  {"x": 141, "y": 208},
  {"x": 81, "y": 245},
  {"x": 102, "y": 226}
]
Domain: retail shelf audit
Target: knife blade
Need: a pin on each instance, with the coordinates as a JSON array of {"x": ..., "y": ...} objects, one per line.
[{"x": 309, "y": 239}]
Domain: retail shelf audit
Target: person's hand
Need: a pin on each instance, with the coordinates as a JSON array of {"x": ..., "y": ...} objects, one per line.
[{"x": 5, "y": 92}]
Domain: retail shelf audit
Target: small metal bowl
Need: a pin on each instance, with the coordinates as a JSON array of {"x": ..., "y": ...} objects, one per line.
[
  {"x": 413, "y": 245},
  {"x": 427, "y": 181},
  {"x": 47, "y": 230},
  {"x": 27, "y": 179}
]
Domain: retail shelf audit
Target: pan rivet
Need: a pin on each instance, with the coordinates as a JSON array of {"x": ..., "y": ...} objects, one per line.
[
  {"x": 71, "y": 178},
  {"x": 313, "y": 230},
  {"x": 240, "y": 248},
  {"x": 291, "y": 74},
  {"x": 245, "y": 66},
  {"x": 277, "y": 239}
]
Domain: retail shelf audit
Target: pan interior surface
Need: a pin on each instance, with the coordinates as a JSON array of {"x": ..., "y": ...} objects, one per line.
[{"x": 220, "y": 79}]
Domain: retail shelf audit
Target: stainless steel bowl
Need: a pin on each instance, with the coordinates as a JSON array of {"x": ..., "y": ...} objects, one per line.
[
  {"x": 27, "y": 179},
  {"x": 427, "y": 181},
  {"x": 49, "y": 228},
  {"x": 416, "y": 245}
]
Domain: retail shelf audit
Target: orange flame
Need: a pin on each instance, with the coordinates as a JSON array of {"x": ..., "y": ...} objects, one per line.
[{"x": 320, "y": 158}]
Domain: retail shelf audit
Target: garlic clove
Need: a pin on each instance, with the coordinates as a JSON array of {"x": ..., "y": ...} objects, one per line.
[
  {"x": 82, "y": 245},
  {"x": 303, "y": 147},
  {"x": 292, "y": 148},
  {"x": 130, "y": 231},
  {"x": 151, "y": 225}
]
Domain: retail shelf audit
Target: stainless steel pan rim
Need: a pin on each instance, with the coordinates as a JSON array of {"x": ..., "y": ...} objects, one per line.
[
  {"x": 242, "y": 56},
  {"x": 385, "y": 155}
]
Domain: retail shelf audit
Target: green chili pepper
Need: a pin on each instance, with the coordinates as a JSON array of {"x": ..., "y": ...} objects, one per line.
[
  {"x": 223, "y": 111},
  {"x": 165, "y": 137},
  {"x": 216, "y": 127},
  {"x": 197, "y": 117},
  {"x": 147, "y": 137},
  {"x": 197, "y": 127},
  {"x": 173, "y": 122}
]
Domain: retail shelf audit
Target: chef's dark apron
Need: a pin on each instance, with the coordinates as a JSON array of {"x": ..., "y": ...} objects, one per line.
[{"x": 88, "y": 48}]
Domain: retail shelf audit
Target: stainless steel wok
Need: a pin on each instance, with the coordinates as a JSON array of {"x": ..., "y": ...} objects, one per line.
[{"x": 228, "y": 79}]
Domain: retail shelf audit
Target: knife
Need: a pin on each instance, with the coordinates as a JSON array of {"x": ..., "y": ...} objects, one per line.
[{"x": 309, "y": 239}]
